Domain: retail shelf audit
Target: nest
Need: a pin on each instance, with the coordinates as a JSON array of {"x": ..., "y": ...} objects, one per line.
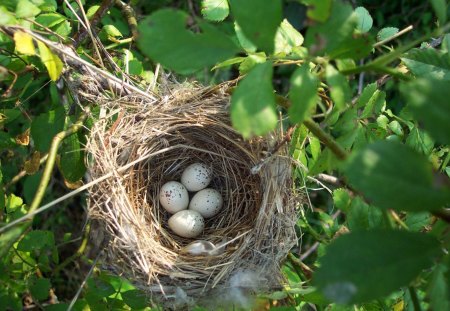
[{"x": 143, "y": 145}]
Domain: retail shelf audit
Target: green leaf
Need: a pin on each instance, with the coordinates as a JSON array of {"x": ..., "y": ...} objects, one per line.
[
  {"x": 365, "y": 21},
  {"x": 326, "y": 37},
  {"x": 318, "y": 10},
  {"x": 375, "y": 104},
  {"x": 26, "y": 8},
  {"x": 440, "y": 8},
  {"x": 8, "y": 238},
  {"x": 428, "y": 63},
  {"x": 439, "y": 288},
  {"x": 50, "y": 19},
  {"x": 253, "y": 109},
  {"x": 339, "y": 87},
  {"x": 36, "y": 240},
  {"x": 303, "y": 94},
  {"x": 229, "y": 62},
  {"x": 72, "y": 159},
  {"x": 100, "y": 288},
  {"x": 39, "y": 288},
  {"x": 136, "y": 299},
  {"x": 387, "y": 32},
  {"x": 215, "y": 10},
  {"x": 417, "y": 221},
  {"x": 341, "y": 199},
  {"x": 259, "y": 22},
  {"x": 396, "y": 128},
  {"x": 164, "y": 38},
  {"x": 366, "y": 95},
  {"x": 287, "y": 38},
  {"x": 110, "y": 31},
  {"x": 361, "y": 266},
  {"x": 51, "y": 61},
  {"x": 45, "y": 126},
  {"x": 6, "y": 17},
  {"x": 394, "y": 176},
  {"x": 13, "y": 202},
  {"x": 250, "y": 61},
  {"x": 428, "y": 101},
  {"x": 355, "y": 47},
  {"x": 362, "y": 216},
  {"x": 246, "y": 44},
  {"x": 420, "y": 141}
]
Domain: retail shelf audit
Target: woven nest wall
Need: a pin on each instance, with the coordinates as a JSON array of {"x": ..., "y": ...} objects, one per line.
[{"x": 145, "y": 145}]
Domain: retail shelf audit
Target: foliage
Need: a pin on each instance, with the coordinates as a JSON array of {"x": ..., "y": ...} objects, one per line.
[{"x": 367, "y": 105}]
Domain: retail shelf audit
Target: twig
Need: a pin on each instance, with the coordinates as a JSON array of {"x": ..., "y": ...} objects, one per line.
[
  {"x": 78, "y": 253},
  {"x": 104, "y": 7},
  {"x": 75, "y": 298},
  {"x": 330, "y": 179},
  {"x": 398, "y": 34},
  {"x": 398, "y": 219},
  {"x": 78, "y": 62},
  {"x": 307, "y": 271},
  {"x": 443, "y": 214},
  {"x": 51, "y": 161},
  {"x": 326, "y": 139},
  {"x": 130, "y": 16},
  {"x": 414, "y": 299}
]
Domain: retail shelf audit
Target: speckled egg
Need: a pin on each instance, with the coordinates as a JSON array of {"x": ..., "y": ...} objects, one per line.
[
  {"x": 174, "y": 197},
  {"x": 196, "y": 177},
  {"x": 207, "y": 202},
  {"x": 187, "y": 224}
]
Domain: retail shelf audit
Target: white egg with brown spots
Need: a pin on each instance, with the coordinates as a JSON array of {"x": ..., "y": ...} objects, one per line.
[
  {"x": 187, "y": 224},
  {"x": 207, "y": 202},
  {"x": 196, "y": 177},
  {"x": 174, "y": 197}
]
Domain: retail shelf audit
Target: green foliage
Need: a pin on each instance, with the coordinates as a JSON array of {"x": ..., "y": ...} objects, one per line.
[
  {"x": 215, "y": 10},
  {"x": 253, "y": 108},
  {"x": 389, "y": 181},
  {"x": 382, "y": 107},
  {"x": 185, "y": 52},
  {"x": 364, "y": 265},
  {"x": 428, "y": 102},
  {"x": 303, "y": 94},
  {"x": 258, "y": 22}
]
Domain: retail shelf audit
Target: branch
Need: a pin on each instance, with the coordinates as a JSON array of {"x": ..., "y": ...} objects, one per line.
[
  {"x": 104, "y": 7},
  {"x": 326, "y": 139},
  {"x": 51, "y": 161},
  {"x": 78, "y": 253}
]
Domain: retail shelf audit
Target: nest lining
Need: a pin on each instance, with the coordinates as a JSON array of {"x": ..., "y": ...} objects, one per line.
[{"x": 189, "y": 125}]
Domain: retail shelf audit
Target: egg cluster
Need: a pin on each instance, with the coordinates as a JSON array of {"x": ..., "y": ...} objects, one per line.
[{"x": 188, "y": 217}]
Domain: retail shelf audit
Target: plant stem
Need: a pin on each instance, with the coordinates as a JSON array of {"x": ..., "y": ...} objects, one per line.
[
  {"x": 414, "y": 299},
  {"x": 326, "y": 139},
  {"x": 78, "y": 253},
  {"x": 51, "y": 161}
]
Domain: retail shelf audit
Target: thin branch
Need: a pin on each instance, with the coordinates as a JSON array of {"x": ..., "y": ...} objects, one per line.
[
  {"x": 78, "y": 253},
  {"x": 414, "y": 299},
  {"x": 395, "y": 36},
  {"x": 130, "y": 16},
  {"x": 104, "y": 7},
  {"x": 75, "y": 298},
  {"x": 51, "y": 161},
  {"x": 326, "y": 139}
]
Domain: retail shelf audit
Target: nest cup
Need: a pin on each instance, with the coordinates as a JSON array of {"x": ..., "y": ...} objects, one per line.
[{"x": 146, "y": 145}]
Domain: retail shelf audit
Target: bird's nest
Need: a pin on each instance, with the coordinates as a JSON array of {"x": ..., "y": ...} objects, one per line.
[{"x": 144, "y": 144}]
